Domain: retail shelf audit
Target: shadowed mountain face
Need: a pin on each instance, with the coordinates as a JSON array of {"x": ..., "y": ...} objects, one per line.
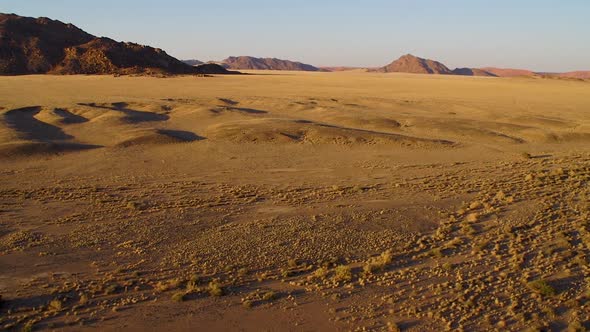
[
  {"x": 41, "y": 45},
  {"x": 413, "y": 64},
  {"x": 473, "y": 72},
  {"x": 193, "y": 62},
  {"x": 248, "y": 62}
]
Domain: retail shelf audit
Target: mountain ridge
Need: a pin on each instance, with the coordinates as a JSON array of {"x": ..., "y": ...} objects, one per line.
[
  {"x": 254, "y": 63},
  {"x": 44, "y": 46},
  {"x": 412, "y": 64},
  {"x": 416, "y": 65}
]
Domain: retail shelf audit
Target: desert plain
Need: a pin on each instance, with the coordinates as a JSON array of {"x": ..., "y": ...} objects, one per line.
[{"x": 294, "y": 201}]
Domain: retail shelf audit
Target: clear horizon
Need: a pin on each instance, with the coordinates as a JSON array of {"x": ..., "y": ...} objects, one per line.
[{"x": 543, "y": 35}]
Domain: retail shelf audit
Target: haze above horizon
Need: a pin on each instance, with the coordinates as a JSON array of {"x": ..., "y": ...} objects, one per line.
[{"x": 541, "y": 35}]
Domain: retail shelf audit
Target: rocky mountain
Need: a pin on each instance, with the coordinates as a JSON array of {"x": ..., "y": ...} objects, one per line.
[
  {"x": 41, "y": 45},
  {"x": 193, "y": 62},
  {"x": 576, "y": 74},
  {"x": 252, "y": 63},
  {"x": 508, "y": 72},
  {"x": 413, "y": 64},
  {"x": 342, "y": 68},
  {"x": 472, "y": 72}
]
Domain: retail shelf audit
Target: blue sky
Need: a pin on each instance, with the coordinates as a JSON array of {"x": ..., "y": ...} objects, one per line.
[{"x": 543, "y": 35}]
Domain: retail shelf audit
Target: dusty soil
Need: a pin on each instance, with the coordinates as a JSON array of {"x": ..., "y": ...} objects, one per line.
[{"x": 294, "y": 201}]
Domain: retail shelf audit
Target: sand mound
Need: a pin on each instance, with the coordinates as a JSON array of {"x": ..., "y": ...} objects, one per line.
[
  {"x": 59, "y": 116},
  {"x": 572, "y": 137},
  {"x": 303, "y": 131},
  {"x": 25, "y": 122},
  {"x": 31, "y": 148},
  {"x": 32, "y": 130},
  {"x": 129, "y": 114},
  {"x": 467, "y": 131},
  {"x": 364, "y": 122},
  {"x": 544, "y": 122},
  {"x": 157, "y": 137}
]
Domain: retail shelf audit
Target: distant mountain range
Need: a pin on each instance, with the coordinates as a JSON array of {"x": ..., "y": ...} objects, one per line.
[
  {"x": 572, "y": 74},
  {"x": 406, "y": 64},
  {"x": 253, "y": 63},
  {"x": 44, "y": 46},
  {"x": 413, "y": 64}
]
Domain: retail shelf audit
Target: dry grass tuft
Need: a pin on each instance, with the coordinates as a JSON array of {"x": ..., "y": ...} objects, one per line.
[
  {"x": 342, "y": 273},
  {"x": 215, "y": 289},
  {"x": 542, "y": 287}
]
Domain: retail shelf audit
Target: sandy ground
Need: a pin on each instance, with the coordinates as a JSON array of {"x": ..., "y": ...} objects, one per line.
[{"x": 289, "y": 201}]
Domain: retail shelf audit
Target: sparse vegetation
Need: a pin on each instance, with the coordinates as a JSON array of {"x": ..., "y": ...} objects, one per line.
[
  {"x": 321, "y": 273},
  {"x": 542, "y": 287},
  {"x": 436, "y": 252},
  {"x": 393, "y": 327},
  {"x": 111, "y": 289},
  {"x": 179, "y": 296},
  {"x": 83, "y": 299},
  {"x": 292, "y": 263},
  {"x": 215, "y": 289},
  {"x": 55, "y": 305},
  {"x": 378, "y": 263},
  {"x": 269, "y": 296},
  {"x": 243, "y": 272},
  {"x": 342, "y": 273},
  {"x": 28, "y": 327},
  {"x": 191, "y": 287}
]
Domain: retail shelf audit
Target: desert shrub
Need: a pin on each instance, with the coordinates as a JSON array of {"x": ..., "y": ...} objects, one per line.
[
  {"x": 161, "y": 287},
  {"x": 468, "y": 229},
  {"x": 342, "y": 273},
  {"x": 191, "y": 287},
  {"x": 111, "y": 289},
  {"x": 447, "y": 266},
  {"x": 542, "y": 287},
  {"x": 378, "y": 263},
  {"x": 320, "y": 273},
  {"x": 292, "y": 263},
  {"x": 215, "y": 289},
  {"x": 575, "y": 326},
  {"x": 28, "y": 327},
  {"x": 393, "y": 327},
  {"x": 179, "y": 296},
  {"x": 269, "y": 296},
  {"x": 436, "y": 252},
  {"x": 138, "y": 206},
  {"x": 242, "y": 272},
  {"x": 55, "y": 305},
  {"x": 83, "y": 299}
]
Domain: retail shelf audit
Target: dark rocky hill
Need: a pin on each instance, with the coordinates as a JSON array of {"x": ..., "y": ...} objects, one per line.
[
  {"x": 44, "y": 46},
  {"x": 413, "y": 64},
  {"x": 252, "y": 63}
]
